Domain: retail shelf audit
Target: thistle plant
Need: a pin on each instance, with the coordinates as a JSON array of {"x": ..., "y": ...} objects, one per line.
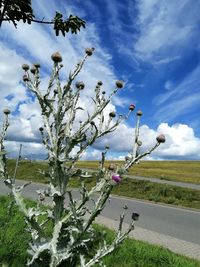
[{"x": 73, "y": 240}]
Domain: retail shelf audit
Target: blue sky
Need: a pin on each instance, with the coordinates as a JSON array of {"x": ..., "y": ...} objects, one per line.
[{"x": 152, "y": 45}]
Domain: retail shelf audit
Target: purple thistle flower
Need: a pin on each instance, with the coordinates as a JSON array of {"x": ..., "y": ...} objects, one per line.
[{"x": 116, "y": 178}]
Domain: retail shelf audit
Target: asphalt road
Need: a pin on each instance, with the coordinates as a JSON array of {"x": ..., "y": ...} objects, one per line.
[{"x": 180, "y": 223}]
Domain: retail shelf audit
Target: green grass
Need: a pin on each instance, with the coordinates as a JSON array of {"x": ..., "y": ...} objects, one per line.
[
  {"x": 151, "y": 191},
  {"x": 14, "y": 243},
  {"x": 182, "y": 171},
  {"x": 128, "y": 187}
]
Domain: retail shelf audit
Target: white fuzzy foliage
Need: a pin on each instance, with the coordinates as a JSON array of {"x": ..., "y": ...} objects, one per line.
[{"x": 72, "y": 237}]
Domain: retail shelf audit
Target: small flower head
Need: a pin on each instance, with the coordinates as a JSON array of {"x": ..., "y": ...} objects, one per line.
[
  {"x": 56, "y": 57},
  {"x": 127, "y": 158},
  {"x": 139, "y": 143},
  {"x": 116, "y": 178},
  {"x": 33, "y": 70},
  {"x": 111, "y": 167},
  {"x": 107, "y": 147},
  {"x": 135, "y": 216},
  {"x": 6, "y": 111},
  {"x": 112, "y": 114},
  {"x": 131, "y": 107},
  {"x": 25, "y": 78},
  {"x": 103, "y": 92},
  {"x": 89, "y": 51},
  {"x": 119, "y": 84},
  {"x": 36, "y": 65},
  {"x": 80, "y": 85},
  {"x": 25, "y": 67},
  {"x": 139, "y": 113},
  {"x": 100, "y": 83},
  {"x": 41, "y": 129},
  {"x": 161, "y": 138}
]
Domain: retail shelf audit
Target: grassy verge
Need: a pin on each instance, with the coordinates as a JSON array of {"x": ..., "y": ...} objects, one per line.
[
  {"x": 128, "y": 187},
  {"x": 151, "y": 191},
  {"x": 182, "y": 171},
  {"x": 14, "y": 243}
]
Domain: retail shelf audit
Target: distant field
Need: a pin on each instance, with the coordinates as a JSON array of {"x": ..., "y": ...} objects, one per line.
[{"x": 184, "y": 171}]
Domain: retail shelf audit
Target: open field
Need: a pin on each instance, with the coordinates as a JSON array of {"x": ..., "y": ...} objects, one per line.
[
  {"x": 14, "y": 242},
  {"x": 128, "y": 187},
  {"x": 183, "y": 171}
]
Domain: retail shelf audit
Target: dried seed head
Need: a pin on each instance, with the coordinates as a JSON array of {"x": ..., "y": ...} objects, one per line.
[
  {"x": 139, "y": 143},
  {"x": 161, "y": 138},
  {"x": 103, "y": 92},
  {"x": 6, "y": 111},
  {"x": 112, "y": 167},
  {"x": 139, "y": 113},
  {"x": 100, "y": 83},
  {"x": 25, "y": 67},
  {"x": 131, "y": 107},
  {"x": 25, "y": 78},
  {"x": 33, "y": 70},
  {"x": 119, "y": 84},
  {"x": 41, "y": 129},
  {"x": 89, "y": 51},
  {"x": 80, "y": 85},
  {"x": 135, "y": 216},
  {"x": 56, "y": 57},
  {"x": 116, "y": 178},
  {"x": 36, "y": 65},
  {"x": 112, "y": 114}
]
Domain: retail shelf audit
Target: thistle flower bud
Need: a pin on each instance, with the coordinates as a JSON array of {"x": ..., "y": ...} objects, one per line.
[
  {"x": 135, "y": 216},
  {"x": 100, "y": 83},
  {"x": 25, "y": 67},
  {"x": 89, "y": 51},
  {"x": 56, "y": 57},
  {"x": 139, "y": 143},
  {"x": 6, "y": 111},
  {"x": 41, "y": 197},
  {"x": 25, "y": 78},
  {"x": 127, "y": 158},
  {"x": 139, "y": 113},
  {"x": 119, "y": 84},
  {"x": 80, "y": 85},
  {"x": 131, "y": 107},
  {"x": 161, "y": 138},
  {"x": 36, "y": 65},
  {"x": 33, "y": 70},
  {"x": 111, "y": 167},
  {"x": 107, "y": 147},
  {"x": 112, "y": 114},
  {"x": 116, "y": 178},
  {"x": 41, "y": 129}
]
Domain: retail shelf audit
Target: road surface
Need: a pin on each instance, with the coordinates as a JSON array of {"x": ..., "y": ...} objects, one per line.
[{"x": 180, "y": 223}]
